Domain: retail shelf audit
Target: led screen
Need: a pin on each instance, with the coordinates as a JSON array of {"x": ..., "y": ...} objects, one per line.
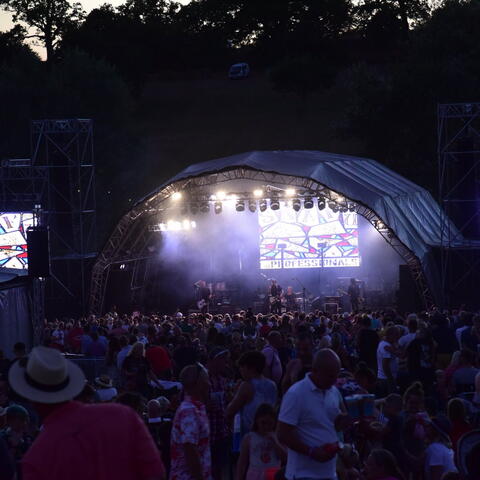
[
  {"x": 13, "y": 240},
  {"x": 302, "y": 233}
]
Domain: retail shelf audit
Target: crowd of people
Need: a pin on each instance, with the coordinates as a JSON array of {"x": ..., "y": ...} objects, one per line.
[{"x": 361, "y": 396}]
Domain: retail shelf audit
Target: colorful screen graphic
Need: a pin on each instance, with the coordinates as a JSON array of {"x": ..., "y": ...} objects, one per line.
[
  {"x": 13, "y": 240},
  {"x": 304, "y": 235}
]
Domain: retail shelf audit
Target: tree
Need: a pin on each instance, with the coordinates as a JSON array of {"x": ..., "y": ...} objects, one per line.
[
  {"x": 49, "y": 19},
  {"x": 408, "y": 12}
]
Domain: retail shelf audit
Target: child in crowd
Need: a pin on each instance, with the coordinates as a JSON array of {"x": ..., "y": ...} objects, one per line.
[
  {"x": 260, "y": 450},
  {"x": 381, "y": 465}
]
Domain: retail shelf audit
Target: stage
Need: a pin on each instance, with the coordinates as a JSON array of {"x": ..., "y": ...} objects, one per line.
[{"x": 310, "y": 220}]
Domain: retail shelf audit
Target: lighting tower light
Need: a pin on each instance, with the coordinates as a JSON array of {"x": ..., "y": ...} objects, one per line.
[
  {"x": 296, "y": 204},
  {"x": 204, "y": 207},
  {"x": 262, "y": 206},
  {"x": 274, "y": 202},
  {"x": 217, "y": 207},
  {"x": 176, "y": 196},
  {"x": 258, "y": 193},
  {"x": 252, "y": 205},
  {"x": 321, "y": 203},
  {"x": 290, "y": 192},
  {"x": 308, "y": 202},
  {"x": 240, "y": 205}
]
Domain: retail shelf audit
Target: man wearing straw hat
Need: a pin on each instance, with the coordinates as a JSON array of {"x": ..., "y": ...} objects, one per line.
[{"x": 79, "y": 441}]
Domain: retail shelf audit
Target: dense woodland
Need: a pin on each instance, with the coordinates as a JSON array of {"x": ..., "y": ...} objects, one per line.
[{"x": 356, "y": 77}]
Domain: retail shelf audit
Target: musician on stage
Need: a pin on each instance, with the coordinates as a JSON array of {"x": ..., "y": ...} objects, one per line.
[
  {"x": 290, "y": 299},
  {"x": 202, "y": 295},
  {"x": 275, "y": 293},
  {"x": 354, "y": 293}
]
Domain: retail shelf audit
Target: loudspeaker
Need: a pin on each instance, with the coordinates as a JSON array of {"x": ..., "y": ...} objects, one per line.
[
  {"x": 408, "y": 298},
  {"x": 38, "y": 252}
]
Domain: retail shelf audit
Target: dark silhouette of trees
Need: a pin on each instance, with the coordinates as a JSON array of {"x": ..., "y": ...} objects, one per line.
[{"x": 49, "y": 19}]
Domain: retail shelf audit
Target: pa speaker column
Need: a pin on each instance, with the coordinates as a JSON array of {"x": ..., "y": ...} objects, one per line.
[{"x": 38, "y": 252}]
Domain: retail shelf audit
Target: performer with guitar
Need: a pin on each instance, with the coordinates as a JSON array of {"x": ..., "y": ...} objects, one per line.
[
  {"x": 202, "y": 295},
  {"x": 275, "y": 295}
]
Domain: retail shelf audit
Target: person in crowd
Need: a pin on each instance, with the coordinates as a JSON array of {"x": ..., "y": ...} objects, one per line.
[
  {"x": 216, "y": 406},
  {"x": 273, "y": 365},
  {"x": 366, "y": 342},
  {"x": 159, "y": 361},
  {"x": 79, "y": 441},
  {"x": 124, "y": 349},
  {"x": 299, "y": 366},
  {"x": 463, "y": 380},
  {"x": 190, "y": 440},
  {"x": 105, "y": 391},
  {"x": 16, "y": 434},
  {"x": 260, "y": 450},
  {"x": 136, "y": 370},
  {"x": 311, "y": 413},
  {"x": 439, "y": 455},
  {"x": 444, "y": 338},
  {"x": 421, "y": 359},
  {"x": 381, "y": 465},
  {"x": 86, "y": 339},
  {"x": 470, "y": 337},
  {"x": 185, "y": 353},
  {"x": 253, "y": 391},
  {"x": 458, "y": 419},
  {"x": 387, "y": 362}
]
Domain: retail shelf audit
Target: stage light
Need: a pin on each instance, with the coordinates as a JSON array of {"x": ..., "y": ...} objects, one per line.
[
  {"x": 333, "y": 206},
  {"x": 343, "y": 208},
  {"x": 274, "y": 203},
  {"x": 321, "y": 203},
  {"x": 351, "y": 207},
  {"x": 218, "y": 207},
  {"x": 340, "y": 199},
  {"x": 186, "y": 225},
  {"x": 308, "y": 202},
  {"x": 290, "y": 192},
  {"x": 296, "y": 204},
  {"x": 204, "y": 207},
  {"x": 221, "y": 195},
  {"x": 258, "y": 193},
  {"x": 262, "y": 205},
  {"x": 252, "y": 205},
  {"x": 176, "y": 196},
  {"x": 240, "y": 205},
  {"x": 194, "y": 208}
]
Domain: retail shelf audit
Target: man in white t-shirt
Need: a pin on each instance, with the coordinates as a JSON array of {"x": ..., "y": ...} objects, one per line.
[
  {"x": 311, "y": 413},
  {"x": 387, "y": 363}
]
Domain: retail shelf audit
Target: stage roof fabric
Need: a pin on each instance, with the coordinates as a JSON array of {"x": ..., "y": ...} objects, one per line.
[{"x": 408, "y": 209}]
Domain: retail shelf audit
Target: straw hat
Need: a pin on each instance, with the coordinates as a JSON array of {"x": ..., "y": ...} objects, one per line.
[{"x": 46, "y": 376}]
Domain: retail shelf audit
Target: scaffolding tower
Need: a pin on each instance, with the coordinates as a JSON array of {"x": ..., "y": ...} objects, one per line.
[
  {"x": 64, "y": 149},
  {"x": 458, "y": 132}
]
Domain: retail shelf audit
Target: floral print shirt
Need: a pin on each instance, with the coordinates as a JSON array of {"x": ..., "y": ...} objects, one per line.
[{"x": 190, "y": 425}]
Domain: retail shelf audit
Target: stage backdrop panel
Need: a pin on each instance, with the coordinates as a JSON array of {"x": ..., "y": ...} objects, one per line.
[{"x": 310, "y": 238}]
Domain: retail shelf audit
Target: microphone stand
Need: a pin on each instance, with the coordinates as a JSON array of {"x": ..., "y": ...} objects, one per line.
[{"x": 304, "y": 290}]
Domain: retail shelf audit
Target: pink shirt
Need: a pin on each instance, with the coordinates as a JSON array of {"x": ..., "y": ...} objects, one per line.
[{"x": 94, "y": 442}]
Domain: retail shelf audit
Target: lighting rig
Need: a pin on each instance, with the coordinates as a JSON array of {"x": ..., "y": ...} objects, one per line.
[{"x": 260, "y": 198}]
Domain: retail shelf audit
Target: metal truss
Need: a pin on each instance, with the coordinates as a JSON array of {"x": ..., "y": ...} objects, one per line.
[
  {"x": 458, "y": 150},
  {"x": 22, "y": 185},
  {"x": 64, "y": 148},
  {"x": 129, "y": 239}
]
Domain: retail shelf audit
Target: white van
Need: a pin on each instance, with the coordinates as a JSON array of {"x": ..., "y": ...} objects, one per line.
[{"x": 239, "y": 70}]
